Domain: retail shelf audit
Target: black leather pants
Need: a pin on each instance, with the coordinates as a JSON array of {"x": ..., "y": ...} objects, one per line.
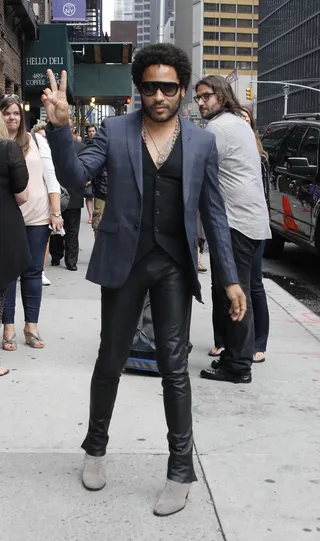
[{"x": 171, "y": 300}]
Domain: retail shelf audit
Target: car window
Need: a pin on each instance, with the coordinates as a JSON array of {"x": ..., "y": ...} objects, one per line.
[
  {"x": 293, "y": 142},
  {"x": 273, "y": 138},
  {"x": 310, "y": 146}
]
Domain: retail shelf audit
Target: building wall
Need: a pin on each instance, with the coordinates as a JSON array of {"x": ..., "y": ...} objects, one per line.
[
  {"x": 169, "y": 9},
  {"x": 289, "y": 50},
  {"x": 225, "y": 38},
  {"x": 10, "y": 54},
  {"x": 183, "y": 32},
  {"x": 118, "y": 10},
  {"x": 169, "y": 30},
  {"x": 143, "y": 16},
  {"x": 128, "y": 7}
]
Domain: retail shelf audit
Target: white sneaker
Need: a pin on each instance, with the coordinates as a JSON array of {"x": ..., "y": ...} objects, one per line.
[{"x": 45, "y": 280}]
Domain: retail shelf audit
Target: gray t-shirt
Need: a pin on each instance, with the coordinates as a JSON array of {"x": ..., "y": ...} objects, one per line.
[{"x": 240, "y": 176}]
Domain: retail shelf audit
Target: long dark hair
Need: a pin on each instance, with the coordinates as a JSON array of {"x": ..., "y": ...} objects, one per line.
[
  {"x": 22, "y": 138},
  {"x": 254, "y": 127},
  {"x": 223, "y": 90}
]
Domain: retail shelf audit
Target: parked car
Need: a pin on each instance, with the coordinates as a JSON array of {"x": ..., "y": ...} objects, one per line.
[{"x": 293, "y": 148}]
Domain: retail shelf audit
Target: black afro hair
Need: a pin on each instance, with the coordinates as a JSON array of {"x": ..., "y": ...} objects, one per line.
[{"x": 162, "y": 54}]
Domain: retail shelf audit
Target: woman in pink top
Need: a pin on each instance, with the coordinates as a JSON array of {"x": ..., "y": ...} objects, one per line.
[{"x": 41, "y": 210}]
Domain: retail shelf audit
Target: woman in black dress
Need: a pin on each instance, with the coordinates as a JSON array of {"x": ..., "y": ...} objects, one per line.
[{"x": 14, "y": 247}]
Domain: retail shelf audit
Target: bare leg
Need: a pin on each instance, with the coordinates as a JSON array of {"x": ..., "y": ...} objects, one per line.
[
  {"x": 89, "y": 205},
  {"x": 46, "y": 256}
]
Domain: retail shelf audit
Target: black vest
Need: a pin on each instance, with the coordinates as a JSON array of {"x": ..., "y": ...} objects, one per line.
[{"x": 162, "y": 222}]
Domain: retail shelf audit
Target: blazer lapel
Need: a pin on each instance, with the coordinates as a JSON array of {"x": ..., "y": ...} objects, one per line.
[
  {"x": 187, "y": 157},
  {"x": 135, "y": 147}
]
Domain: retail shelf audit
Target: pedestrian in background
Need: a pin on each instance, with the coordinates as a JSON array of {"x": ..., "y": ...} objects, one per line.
[
  {"x": 99, "y": 185},
  {"x": 258, "y": 294},
  {"x": 14, "y": 248},
  {"x": 91, "y": 130},
  {"x": 243, "y": 193},
  {"x": 41, "y": 210},
  {"x": 201, "y": 244},
  {"x": 67, "y": 246},
  {"x": 40, "y": 129}
]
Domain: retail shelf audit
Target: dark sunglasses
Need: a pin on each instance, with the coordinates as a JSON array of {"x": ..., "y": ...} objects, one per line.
[{"x": 150, "y": 88}]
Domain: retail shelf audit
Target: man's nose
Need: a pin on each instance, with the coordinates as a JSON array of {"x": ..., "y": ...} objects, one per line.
[{"x": 158, "y": 95}]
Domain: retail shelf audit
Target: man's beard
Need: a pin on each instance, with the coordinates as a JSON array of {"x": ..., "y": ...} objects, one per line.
[
  {"x": 148, "y": 111},
  {"x": 209, "y": 115}
]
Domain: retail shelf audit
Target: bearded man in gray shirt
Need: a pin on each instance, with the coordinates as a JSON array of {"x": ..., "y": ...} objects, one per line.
[{"x": 242, "y": 190}]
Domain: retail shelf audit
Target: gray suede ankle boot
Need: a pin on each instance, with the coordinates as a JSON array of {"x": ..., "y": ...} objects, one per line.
[
  {"x": 172, "y": 499},
  {"x": 94, "y": 475}
]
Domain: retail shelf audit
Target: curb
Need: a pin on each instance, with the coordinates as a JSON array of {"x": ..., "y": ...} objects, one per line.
[{"x": 294, "y": 308}]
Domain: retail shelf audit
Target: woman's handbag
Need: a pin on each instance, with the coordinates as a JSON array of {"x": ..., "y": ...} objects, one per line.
[{"x": 64, "y": 198}]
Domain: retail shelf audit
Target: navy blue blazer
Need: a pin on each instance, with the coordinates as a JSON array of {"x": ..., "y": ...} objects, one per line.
[{"x": 117, "y": 146}]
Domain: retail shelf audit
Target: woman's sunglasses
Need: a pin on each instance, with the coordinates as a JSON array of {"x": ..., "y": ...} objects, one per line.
[{"x": 150, "y": 88}]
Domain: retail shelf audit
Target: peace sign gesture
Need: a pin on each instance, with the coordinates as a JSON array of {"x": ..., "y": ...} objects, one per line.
[{"x": 55, "y": 100}]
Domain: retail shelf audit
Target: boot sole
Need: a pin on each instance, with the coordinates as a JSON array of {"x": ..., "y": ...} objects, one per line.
[
  {"x": 173, "y": 513},
  {"x": 90, "y": 489}
]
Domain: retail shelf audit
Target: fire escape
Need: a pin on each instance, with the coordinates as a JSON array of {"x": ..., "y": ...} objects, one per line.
[{"x": 91, "y": 30}]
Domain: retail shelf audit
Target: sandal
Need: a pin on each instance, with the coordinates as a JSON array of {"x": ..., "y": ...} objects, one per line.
[
  {"x": 201, "y": 268},
  {"x": 3, "y": 371},
  {"x": 262, "y": 360},
  {"x": 217, "y": 352},
  {"x": 32, "y": 340},
  {"x": 9, "y": 344}
]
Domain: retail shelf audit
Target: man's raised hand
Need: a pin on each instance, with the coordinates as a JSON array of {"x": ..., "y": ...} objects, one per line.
[{"x": 55, "y": 100}]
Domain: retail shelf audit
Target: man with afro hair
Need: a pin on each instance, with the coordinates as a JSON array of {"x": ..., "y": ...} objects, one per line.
[{"x": 161, "y": 169}]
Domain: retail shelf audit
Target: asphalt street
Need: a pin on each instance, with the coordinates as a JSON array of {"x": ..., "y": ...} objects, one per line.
[{"x": 298, "y": 272}]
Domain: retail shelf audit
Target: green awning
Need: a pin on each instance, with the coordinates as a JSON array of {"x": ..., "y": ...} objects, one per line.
[
  {"x": 107, "y": 83},
  {"x": 52, "y": 51}
]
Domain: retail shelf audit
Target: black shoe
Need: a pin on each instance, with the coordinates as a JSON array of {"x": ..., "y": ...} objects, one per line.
[
  {"x": 216, "y": 364},
  {"x": 72, "y": 267},
  {"x": 55, "y": 263},
  {"x": 222, "y": 375}
]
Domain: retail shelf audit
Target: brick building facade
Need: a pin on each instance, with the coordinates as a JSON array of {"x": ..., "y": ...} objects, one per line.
[{"x": 17, "y": 24}]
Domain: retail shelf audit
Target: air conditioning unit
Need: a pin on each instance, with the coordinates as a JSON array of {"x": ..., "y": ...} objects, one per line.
[{"x": 36, "y": 9}]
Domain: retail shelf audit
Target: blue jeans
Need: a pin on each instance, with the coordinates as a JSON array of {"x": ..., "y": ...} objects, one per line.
[
  {"x": 259, "y": 301},
  {"x": 31, "y": 279}
]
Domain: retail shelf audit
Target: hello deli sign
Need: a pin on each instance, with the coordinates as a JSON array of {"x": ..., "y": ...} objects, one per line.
[{"x": 36, "y": 69}]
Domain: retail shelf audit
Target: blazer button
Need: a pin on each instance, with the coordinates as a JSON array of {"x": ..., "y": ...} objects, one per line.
[
  {"x": 157, "y": 193},
  {"x": 136, "y": 226},
  {"x": 157, "y": 211},
  {"x": 156, "y": 229}
]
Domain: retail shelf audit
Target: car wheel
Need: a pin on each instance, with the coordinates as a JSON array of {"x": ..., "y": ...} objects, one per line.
[{"x": 274, "y": 247}]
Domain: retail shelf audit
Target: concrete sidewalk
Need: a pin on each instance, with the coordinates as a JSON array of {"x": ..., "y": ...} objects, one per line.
[{"x": 258, "y": 452}]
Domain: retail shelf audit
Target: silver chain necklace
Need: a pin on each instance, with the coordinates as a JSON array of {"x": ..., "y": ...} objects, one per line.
[{"x": 168, "y": 146}]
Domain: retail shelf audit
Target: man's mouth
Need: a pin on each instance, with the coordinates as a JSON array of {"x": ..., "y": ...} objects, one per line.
[{"x": 159, "y": 108}]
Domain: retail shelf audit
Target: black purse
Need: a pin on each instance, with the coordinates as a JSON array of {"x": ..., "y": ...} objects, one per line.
[{"x": 64, "y": 194}]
